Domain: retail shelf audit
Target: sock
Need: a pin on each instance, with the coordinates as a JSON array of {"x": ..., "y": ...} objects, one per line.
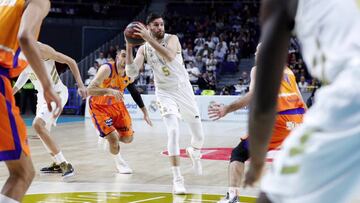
[
  {"x": 6, "y": 199},
  {"x": 118, "y": 159},
  {"x": 53, "y": 158},
  {"x": 60, "y": 158},
  {"x": 176, "y": 172},
  {"x": 232, "y": 192}
]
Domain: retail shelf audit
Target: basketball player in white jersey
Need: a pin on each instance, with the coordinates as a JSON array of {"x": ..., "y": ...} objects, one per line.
[
  {"x": 44, "y": 119},
  {"x": 320, "y": 160},
  {"x": 173, "y": 91}
]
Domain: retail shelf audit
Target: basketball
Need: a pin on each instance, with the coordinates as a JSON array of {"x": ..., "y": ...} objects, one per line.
[{"x": 130, "y": 36}]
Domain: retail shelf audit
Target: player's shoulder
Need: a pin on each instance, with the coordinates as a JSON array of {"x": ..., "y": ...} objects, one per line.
[
  {"x": 253, "y": 69},
  {"x": 288, "y": 71}
]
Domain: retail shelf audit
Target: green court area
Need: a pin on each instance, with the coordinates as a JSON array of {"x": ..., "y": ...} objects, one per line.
[{"x": 125, "y": 197}]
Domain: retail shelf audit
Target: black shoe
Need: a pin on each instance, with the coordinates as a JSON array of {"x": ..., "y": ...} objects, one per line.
[
  {"x": 67, "y": 170},
  {"x": 53, "y": 168}
]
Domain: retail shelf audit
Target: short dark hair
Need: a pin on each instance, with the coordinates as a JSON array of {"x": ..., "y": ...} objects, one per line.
[{"x": 151, "y": 17}]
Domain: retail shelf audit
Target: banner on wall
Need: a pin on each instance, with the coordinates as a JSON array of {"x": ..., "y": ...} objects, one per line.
[{"x": 203, "y": 103}]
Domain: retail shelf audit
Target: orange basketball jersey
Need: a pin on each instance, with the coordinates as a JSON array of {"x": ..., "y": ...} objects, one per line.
[
  {"x": 114, "y": 81},
  {"x": 289, "y": 96},
  {"x": 10, "y": 17}
]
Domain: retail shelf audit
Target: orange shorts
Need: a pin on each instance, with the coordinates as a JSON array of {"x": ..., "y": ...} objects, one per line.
[
  {"x": 108, "y": 118},
  {"x": 13, "y": 138},
  {"x": 283, "y": 125}
]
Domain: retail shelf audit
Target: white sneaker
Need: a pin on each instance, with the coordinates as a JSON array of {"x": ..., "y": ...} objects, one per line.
[
  {"x": 227, "y": 199},
  {"x": 123, "y": 167},
  {"x": 179, "y": 188},
  {"x": 195, "y": 156}
]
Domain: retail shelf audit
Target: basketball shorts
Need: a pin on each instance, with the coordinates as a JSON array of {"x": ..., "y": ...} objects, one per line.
[
  {"x": 180, "y": 102},
  {"x": 320, "y": 160},
  {"x": 12, "y": 128},
  {"x": 108, "y": 118},
  {"x": 42, "y": 110},
  {"x": 285, "y": 122}
]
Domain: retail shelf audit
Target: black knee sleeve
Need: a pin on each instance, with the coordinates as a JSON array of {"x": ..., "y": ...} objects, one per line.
[{"x": 241, "y": 152}]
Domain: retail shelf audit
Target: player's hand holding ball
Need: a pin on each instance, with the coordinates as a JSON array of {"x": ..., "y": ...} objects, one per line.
[{"x": 134, "y": 33}]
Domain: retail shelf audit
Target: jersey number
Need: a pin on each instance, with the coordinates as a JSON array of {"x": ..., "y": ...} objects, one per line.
[{"x": 166, "y": 71}]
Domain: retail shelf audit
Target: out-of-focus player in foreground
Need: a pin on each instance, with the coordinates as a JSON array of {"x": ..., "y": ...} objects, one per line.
[
  {"x": 20, "y": 23},
  {"x": 108, "y": 110},
  {"x": 290, "y": 110},
  {"x": 173, "y": 91},
  {"x": 329, "y": 138},
  {"x": 44, "y": 119}
]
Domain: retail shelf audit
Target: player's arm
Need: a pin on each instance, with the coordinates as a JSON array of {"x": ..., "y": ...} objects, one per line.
[
  {"x": 94, "y": 88},
  {"x": 47, "y": 52},
  {"x": 168, "y": 52},
  {"x": 276, "y": 29},
  {"x": 133, "y": 66},
  {"x": 20, "y": 82},
  {"x": 217, "y": 111},
  {"x": 29, "y": 29},
  {"x": 138, "y": 100}
]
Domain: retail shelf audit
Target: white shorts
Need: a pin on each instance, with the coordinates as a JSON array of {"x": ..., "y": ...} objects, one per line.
[
  {"x": 320, "y": 160},
  {"x": 42, "y": 110},
  {"x": 179, "y": 101}
]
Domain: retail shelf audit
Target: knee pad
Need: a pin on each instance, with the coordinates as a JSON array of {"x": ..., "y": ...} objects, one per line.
[{"x": 240, "y": 152}]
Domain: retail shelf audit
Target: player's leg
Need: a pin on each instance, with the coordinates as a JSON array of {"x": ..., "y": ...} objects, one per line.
[
  {"x": 124, "y": 125},
  {"x": 114, "y": 146},
  {"x": 263, "y": 198},
  {"x": 42, "y": 125},
  {"x": 239, "y": 155},
  {"x": 21, "y": 174},
  {"x": 172, "y": 127},
  {"x": 189, "y": 111},
  {"x": 14, "y": 149}
]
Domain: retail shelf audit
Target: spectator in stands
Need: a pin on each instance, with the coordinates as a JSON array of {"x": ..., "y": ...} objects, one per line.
[
  {"x": 109, "y": 58},
  {"x": 205, "y": 52},
  {"x": 214, "y": 38},
  {"x": 211, "y": 63},
  {"x": 189, "y": 56},
  {"x": 223, "y": 45},
  {"x": 200, "y": 39},
  {"x": 198, "y": 47},
  {"x": 91, "y": 73},
  {"x": 203, "y": 81},
  {"x": 211, "y": 80},
  {"x": 199, "y": 63},
  {"x": 241, "y": 88},
  {"x": 225, "y": 91},
  {"x": 232, "y": 57},
  {"x": 194, "y": 72},
  {"x": 210, "y": 43},
  {"x": 219, "y": 53},
  {"x": 101, "y": 60},
  {"x": 245, "y": 78},
  {"x": 142, "y": 80},
  {"x": 303, "y": 85}
]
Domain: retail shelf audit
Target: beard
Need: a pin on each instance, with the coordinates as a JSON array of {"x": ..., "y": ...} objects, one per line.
[{"x": 158, "y": 35}]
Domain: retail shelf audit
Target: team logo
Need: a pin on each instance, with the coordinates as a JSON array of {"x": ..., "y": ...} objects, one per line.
[
  {"x": 153, "y": 106},
  {"x": 109, "y": 122}
]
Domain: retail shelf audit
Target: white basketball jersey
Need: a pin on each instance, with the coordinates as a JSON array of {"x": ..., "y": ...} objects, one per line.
[
  {"x": 166, "y": 74},
  {"x": 54, "y": 76},
  {"x": 329, "y": 32}
]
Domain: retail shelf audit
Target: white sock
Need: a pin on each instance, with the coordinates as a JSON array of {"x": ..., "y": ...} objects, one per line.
[
  {"x": 60, "y": 158},
  {"x": 233, "y": 192},
  {"x": 176, "y": 172},
  {"x": 5, "y": 199},
  {"x": 54, "y": 159},
  {"x": 118, "y": 158}
]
